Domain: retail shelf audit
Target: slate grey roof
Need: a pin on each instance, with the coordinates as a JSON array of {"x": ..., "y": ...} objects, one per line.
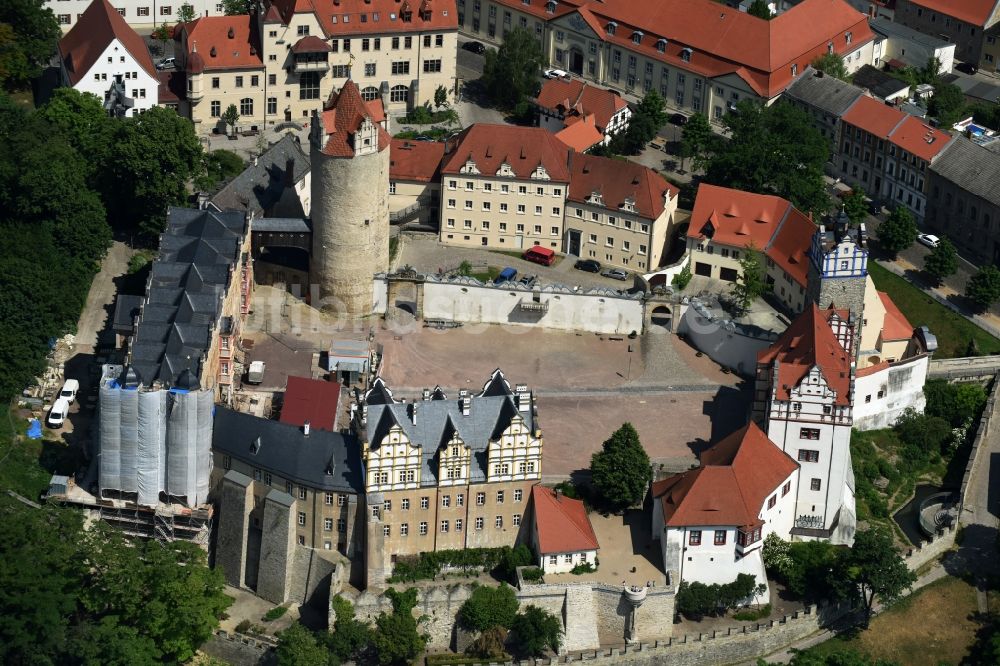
[
  {"x": 187, "y": 285},
  {"x": 972, "y": 87},
  {"x": 293, "y": 225},
  {"x": 286, "y": 452},
  {"x": 824, "y": 92},
  {"x": 892, "y": 29},
  {"x": 490, "y": 413},
  {"x": 260, "y": 187},
  {"x": 126, "y": 308},
  {"x": 972, "y": 167},
  {"x": 238, "y": 478},
  {"x": 878, "y": 82}
]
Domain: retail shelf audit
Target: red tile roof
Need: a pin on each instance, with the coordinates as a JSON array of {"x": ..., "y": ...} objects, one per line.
[
  {"x": 579, "y": 98},
  {"x": 415, "y": 160},
  {"x": 223, "y": 42},
  {"x": 343, "y": 114},
  {"x": 562, "y": 523},
  {"x": 976, "y": 12},
  {"x": 99, "y": 24},
  {"x": 173, "y": 86},
  {"x": 312, "y": 400},
  {"x": 769, "y": 223},
  {"x": 872, "y": 369},
  {"x": 362, "y": 17},
  {"x": 724, "y": 40},
  {"x": 616, "y": 180},
  {"x": 810, "y": 342},
  {"x": 311, "y": 44},
  {"x": 900, "y": 128},
  {"x": 896, "y": 326},
  {"x": 523, "y": 148},
  {"x": 580, "y": 134},
  {"x": 730, "y": 487}
]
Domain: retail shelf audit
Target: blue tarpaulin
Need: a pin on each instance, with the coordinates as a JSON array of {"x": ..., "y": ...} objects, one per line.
[{"x": 34, "y": 429}]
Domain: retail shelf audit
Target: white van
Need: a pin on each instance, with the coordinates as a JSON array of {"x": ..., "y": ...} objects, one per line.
[
  {"x": 69, "y": 389},
  {"x": 57, "y": 415}
]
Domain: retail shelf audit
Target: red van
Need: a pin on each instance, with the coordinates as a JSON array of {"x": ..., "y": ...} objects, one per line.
[{"x": 540, "y": 255}]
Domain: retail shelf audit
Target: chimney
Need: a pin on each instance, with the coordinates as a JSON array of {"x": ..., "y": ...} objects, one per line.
[
  {"x": 413, "y": 412},
  {"x": 466, "y": 405},
  {"x": 427, "y": 394},
  {"x": 524, "y": 402},
  {"x": 305, "y": 428}
]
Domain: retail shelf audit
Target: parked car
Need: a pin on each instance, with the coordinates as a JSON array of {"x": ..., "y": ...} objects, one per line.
[
  {"x": 540, "y": 255},
  {"x": 679, "y": 119},
  {"x": 930, "y": 240},
  {"x": 527, "y": 280},
  {"x": 57, "y": 415},
  {"x": 588, "y": 265},
  {"x": 167, "y": 63},
  {"x": 475, "y": 47},
  {"x": 556, "y": 74},
  {"x": 506, "y": 275},
  {"x": 615, "y": 274},
  {"x": 69, "y": 390},
  {"x": 967, "y": 67}
]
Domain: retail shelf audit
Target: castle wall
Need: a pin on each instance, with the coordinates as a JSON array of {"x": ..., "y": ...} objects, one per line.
[
  {"x": 881, "y": 397},
  {"x": 350, "y": 216},
  {"x": 277, "y": 549},
  {"x": 234, "y": 519}
]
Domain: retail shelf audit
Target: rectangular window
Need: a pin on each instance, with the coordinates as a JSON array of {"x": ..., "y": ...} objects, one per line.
[
  {"x": 808, "y": 433},
  {"x": 480, "y": 499},
  {"x": 516, "y": 519},
  {"x": 444, "y": 526},
  {"x": 499, "y": 497},
  {"x": 720, "y": 537},
  {"x": 401, "y": 67},
  {"x": 328, "y": 524},
  {"x": 328, "y": 499},
  {"x": 518, "y": 494},
  {"x": 498, "y": 523},
  {"x": 694, "y": 538},
  {"x": 239, "y": 81},
  {"x": 341, "y": 525},
  {"x": 302, "y": 518},
  {"x": 807, "y": 455},
  {"x": 458, "y": 525},
  {"x": 460, "y": 499},
  {"x": 479, "y": 523},
  {"x": 404, "y": 504},
  {"x": 815, "y": 484},
  {"x": 786, "y": 488},
  {"x": 423, "y": 527},
  {"x": 404, "y": 529},
  {"x": 425, "y": 502},
  {"x": 771, "y": 501}
]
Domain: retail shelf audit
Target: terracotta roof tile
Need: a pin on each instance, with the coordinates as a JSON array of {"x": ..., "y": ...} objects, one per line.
[
  {"x": 523, "y": 148},
  {"x": 343, "y": 114},
  {"x": 616, "y": 180},
  {"x": 562, "y": 523},
  {"x": 810, "y": 342},
  {"x": 311, "y": 44},
  {"x": 360, "y": 17},
  {"x": 312, "y": 400},
  {"x": 896, "y": 326},
  {"x": 578, "y": 97},
  {"x": 415, "y": 160},
  {"x": 99, "y": 24},
  {"x": 735, "y": 478},
  {"x": 580, "y": 134},
  {"x": 976, "y": 12},
  {"x": 903, "y": 130},
  {"x": 224, "y": 42}
]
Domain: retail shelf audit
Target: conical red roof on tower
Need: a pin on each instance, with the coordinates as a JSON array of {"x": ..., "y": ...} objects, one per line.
[{"x": 343, "y": 114}]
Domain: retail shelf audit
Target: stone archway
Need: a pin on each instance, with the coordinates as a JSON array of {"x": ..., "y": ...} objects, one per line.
[
  {"x": 576, "y": 60},
  {"x": 662, "y": 316}
]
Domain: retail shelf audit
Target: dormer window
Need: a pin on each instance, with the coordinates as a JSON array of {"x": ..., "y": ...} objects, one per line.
[
  {"x": 795, "y": 70},
  {"x": 612, "y": 26},
  {"x": 637, "y": 37},
  {"x": 686, "y": 54},
  {"x": 550, "y": 7},
  {"x": 829, "y": 47},
  {"x": 661, "y": 45},
  {"x": 848, "y": 37}
]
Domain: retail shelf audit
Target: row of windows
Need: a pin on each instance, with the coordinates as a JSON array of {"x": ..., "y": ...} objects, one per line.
[
  {"x": 485, "y": 225},
  {"x": 613, "y": 221},
  {"x": 446, "y": 525},
  {"x": 425, "y": 502},
  {"x": 245, "y": 107},
  {"x": 567, "y": 558},
  {"x": 610, "y": 242},
  {"x": 470, "y": 186},
  {"x": 521, "y": 208}
]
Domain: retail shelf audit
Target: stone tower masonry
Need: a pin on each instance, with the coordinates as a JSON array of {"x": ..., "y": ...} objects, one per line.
[
  {"x": 838, "y": 269},
  {"x": 350, "y": 203}
]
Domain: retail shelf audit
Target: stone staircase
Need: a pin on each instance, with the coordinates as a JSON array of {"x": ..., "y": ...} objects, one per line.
[{"x": 580, "y": 619}]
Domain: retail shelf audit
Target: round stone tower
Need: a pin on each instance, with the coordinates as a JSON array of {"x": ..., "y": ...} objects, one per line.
[{"x": 350, "y": 203}]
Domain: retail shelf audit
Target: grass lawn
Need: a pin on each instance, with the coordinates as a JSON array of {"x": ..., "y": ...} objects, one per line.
[
  {"x": 24, "y": 98},
  {"x": 934, "y": 626},
  {"x": 953, "y": 331}
]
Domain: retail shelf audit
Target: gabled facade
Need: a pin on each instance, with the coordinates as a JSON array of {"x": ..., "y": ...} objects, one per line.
[
  {"x": 969, "y": 24},
  {"x": 562, "y": 103},
  {"x": 447, "y": 473},
  {"x": 101, "y": 52},
  {"x": 561, "y": 533},
  {"x": 711, "y": 521}
]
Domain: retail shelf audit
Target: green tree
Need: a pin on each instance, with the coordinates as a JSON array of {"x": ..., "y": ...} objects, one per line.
[
  {"x": 236, "y": 7},
  {"x": 397, "y": 639},
  {"x": 682, "y": 278},
  {"x": 28, "y": 36},
  {"x": 879, "y": 571},
  {"x": 647, "y": 119},
  {"x": 533, "y": 631},
  {"x": 350, "y": 637},
  {"x": 620, "y": 471},
  {"x": 924, "y": 438},
  {"x": 490, "y": 645},
  {"x": 230, "y": 117},
  {"x": 760, "y": 9},
  {"x": 489, "y": 607},
  {"x": 776, "y": 554},
  {"x": 510, "y": 74},
  {"x": 898, "y": 232},
  {"x": 297, "y": 646},
  {"x": 956, "y": 403},
  {"x": 218, "y": 166},
  {"x": 696, "y": 137},
  {"x": 772, "y": 150},
  {"x": 109, "y": 643},
  {"x": 186, "y": 13},
  {"x": 941, "y": 262},
  {"x": 831, "y": 64},
  {"x": 947, "y": 104},
  {"x": 81, "y": 119},
  {"x": 695, "y": 600},
  {"x": 983, "y": 288},
  {"x": 440, "y": 97},
  {"x": 750, "y": 284},
  {"x": 855, "y": 206}
]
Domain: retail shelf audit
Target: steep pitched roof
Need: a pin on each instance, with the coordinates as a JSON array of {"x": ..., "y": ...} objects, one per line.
[
  {"x": 896, "y": 326},
  {"x": 580, "y": 98},
  {"x": 562, "y": 523},
  {"x": 260, "y": 186},
  {"x": 415, "y": 160},
  {"x": 523, "y": 148},
  {"x": 223, "y": 42},
  {"x": 580, "y": 134},
  {"x": 976, "y": 12},
  {"x": 616, "y": 180},
  {"x": 99, "y": 24},
  {"x": 379, "y": 16},
  {"x": 810, "y": 342},
  {"x": 903, "y": 130},
  {"x": 729, "y": 488},
  {"x": 970, "y": 166},
  {"x": 343, "y": 114},
  {"x": 823, "y": 92},
  {"x": 310, "y": 400},
  {"x": 769, "y": 223}
]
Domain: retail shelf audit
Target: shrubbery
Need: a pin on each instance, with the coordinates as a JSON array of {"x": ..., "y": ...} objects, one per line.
[
  {"x": 682, "y": 279},
  {"x": 489, "y": 607},
  {"x": 533, "y": 574},
  {"x": 696, "y": 600},
  {"x": 425, "y": 566}
]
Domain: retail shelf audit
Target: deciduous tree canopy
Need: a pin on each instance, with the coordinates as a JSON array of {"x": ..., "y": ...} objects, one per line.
[{"x": 620, "y": 471}]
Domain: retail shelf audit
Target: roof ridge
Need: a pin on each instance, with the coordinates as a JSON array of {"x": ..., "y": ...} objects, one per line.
[{"x": 554, "y": 501}]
